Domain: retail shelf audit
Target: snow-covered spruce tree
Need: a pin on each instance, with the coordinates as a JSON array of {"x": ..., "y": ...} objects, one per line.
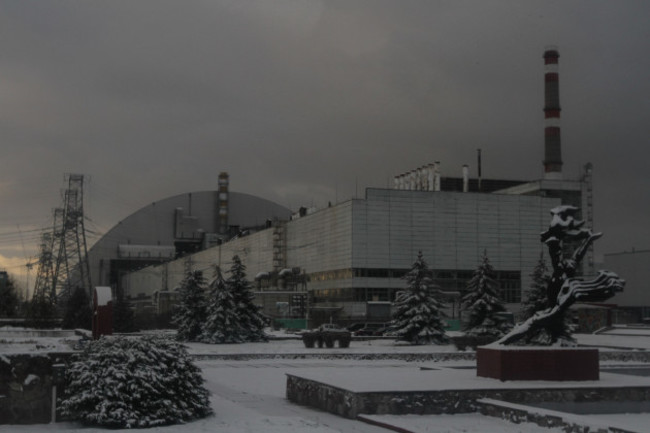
[
  {"x": 189, "y": 315},
  {"x": 222, "y": 324},
  {"x": 536, "y": 297},
  {"x": 418, "y": 316},
  {"x": 251, "y": 320},
  {"x": 121, "y": 382},
  {"x": 482, "y": 303}
]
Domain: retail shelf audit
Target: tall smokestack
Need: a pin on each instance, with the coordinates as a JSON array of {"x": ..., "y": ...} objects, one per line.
[
  {"x": 430, "y": 177},
  {"x": 222, "y": 204},
  {"x": 552, "y": 147}
]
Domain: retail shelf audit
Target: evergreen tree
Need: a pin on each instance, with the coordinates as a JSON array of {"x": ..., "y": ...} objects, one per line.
[
  {"x": 78, "y": 313},
  {"x": 190, "y": 313},
  {"x": 251, "y": 320},
  {"x": 418, "y": 316},
  {"x": 123, "y": 317},
  {"x": 537, "y": 298},
  {"x": 222, "y": 324},
  {"x": 41, "y": 311},
  {"x": 482, "y": 303},
  {"x": 9, "y": 299}
]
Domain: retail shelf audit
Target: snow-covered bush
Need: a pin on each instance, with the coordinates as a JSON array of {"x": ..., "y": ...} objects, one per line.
[{"x": 121, "y": 382}]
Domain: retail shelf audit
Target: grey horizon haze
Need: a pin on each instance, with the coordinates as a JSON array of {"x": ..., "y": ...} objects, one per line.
[{"x": 309, "y": 102}]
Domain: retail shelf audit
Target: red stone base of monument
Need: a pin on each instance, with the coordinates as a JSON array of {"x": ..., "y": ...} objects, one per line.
[{"x": 537, "y": 363}]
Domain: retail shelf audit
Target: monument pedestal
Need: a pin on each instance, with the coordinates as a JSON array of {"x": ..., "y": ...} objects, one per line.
[{"x": 537, "y": 363}]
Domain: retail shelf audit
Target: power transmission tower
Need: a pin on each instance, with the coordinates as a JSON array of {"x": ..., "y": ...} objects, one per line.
[
  {"x": 45, "y": 285},
  {"x": 45, "y": 274},
  {"x": 72, "y": 268}
]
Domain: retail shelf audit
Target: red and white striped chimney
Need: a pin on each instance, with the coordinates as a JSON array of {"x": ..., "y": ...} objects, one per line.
[
  {"x": 552, "y": 144},
  {"x": 222, "y": 204}
]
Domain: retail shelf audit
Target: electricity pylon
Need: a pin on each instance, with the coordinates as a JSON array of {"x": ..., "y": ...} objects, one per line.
[
  {"x": 72, "y": 268},
  {"x": 44, "y": 285}
]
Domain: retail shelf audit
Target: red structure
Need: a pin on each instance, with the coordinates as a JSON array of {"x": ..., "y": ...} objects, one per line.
[
  {"x": 102, "y": 312},
  {"x": 535, "y": 363},
  {"x": 552, "y": 143}
]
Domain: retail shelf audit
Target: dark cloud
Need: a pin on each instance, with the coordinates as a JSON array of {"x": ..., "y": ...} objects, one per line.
[{"x": 305, "y": 102}]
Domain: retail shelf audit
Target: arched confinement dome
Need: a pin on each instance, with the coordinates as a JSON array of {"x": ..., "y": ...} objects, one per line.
[{"x": 172, "y": 226}]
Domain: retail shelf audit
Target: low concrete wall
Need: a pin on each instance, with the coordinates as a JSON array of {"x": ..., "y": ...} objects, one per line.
[
  {"x": 350, "y": 404},
  {"x": 620, "y": 356},
  {"x": 36, "y": 333},
  {"x": 517, "y": 414},
  {"x": 26, "y": 382}
]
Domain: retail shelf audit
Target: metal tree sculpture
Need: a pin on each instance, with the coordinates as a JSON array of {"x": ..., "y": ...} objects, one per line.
[{"x": 564, "y": 289}]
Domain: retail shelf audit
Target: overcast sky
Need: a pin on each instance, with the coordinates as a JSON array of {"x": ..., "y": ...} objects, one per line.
[{"x": 309, "y": 102}]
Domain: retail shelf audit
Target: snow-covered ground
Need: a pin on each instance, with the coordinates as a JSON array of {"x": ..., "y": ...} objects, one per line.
[{"x": 249, "y": 396}]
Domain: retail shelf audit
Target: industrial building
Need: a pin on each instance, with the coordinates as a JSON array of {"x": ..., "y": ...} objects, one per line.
[
  {"x": 351, "y": 257},
  {"x": 632, "y": 304},
  {"x": 346, "y": 262}
]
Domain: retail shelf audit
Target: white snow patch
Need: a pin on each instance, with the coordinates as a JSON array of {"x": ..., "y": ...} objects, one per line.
[
  {"x": 29, "y": 379},
  {"x": 261, "y": 275},
  {"x": 457, "y": 423},
  {"x": 104, "y": 295}
]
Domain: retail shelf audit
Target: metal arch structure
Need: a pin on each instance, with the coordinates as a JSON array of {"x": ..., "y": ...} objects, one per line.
[{"x": 72, "y": 269}]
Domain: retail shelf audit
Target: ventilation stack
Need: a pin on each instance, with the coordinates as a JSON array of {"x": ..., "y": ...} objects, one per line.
[
  {"x": 465, "y": 178},
  {"x": 552, "y": 144},
  {"x": 222, "y": 204},
  {"x": 436, "y": 176}
]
